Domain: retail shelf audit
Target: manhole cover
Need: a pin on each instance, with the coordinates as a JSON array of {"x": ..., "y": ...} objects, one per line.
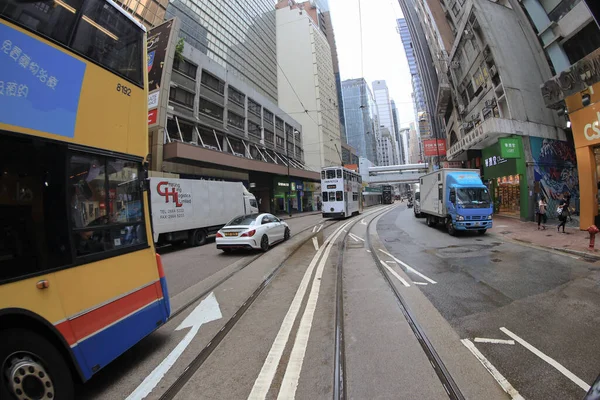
[{"x": 496, "y": 260}]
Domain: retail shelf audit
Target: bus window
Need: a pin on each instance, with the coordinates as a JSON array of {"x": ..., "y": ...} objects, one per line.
[
  {"x": 339, "y": 173},
  {"x": 331, "y": 196},
  {"x": 345, "y": 176},
  {"x": 34, "y": 235},
  {"x": 354, "y": 196},
  {"x": 322, "y": 174},
  {"x": 330, "y": 174},
  {"x": 339, "y": 196},
  {"x": 106, "y": 211},
  {"x": 324, "y": 196}
]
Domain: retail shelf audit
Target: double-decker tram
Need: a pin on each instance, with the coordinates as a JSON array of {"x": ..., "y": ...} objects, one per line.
[
  {"x": 342, "y": 192},
  {"x": 387, "y": 194}
]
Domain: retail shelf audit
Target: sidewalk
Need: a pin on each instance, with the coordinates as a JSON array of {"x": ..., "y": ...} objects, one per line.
[{"x": 574, "y": 241}]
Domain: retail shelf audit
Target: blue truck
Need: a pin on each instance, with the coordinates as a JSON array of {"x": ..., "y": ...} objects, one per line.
[{"x": 456, "y": 198}]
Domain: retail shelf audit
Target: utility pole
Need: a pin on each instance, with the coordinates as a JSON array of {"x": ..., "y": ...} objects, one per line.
[{"x": 289, "y": 199}]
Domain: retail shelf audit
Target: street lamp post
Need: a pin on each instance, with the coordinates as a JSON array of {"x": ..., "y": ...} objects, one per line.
[{"x": 289, "y": 199}]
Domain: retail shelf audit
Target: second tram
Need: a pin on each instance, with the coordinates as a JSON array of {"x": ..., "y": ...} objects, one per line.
[
  {"x": 342, "y": 192},
  {"x": 387, "y": 194}
]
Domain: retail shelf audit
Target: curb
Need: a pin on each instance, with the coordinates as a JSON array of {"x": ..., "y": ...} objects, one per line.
[{"x": 583, "y": 254}]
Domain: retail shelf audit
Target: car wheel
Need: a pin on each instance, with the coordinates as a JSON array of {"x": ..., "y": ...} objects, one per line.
[
  {"x": 482, "y": 232},
  {"x": 32, "y": 368},
  {"x": 197, "y": 238},
  {"x": 430, "y": 222},
  {"x": 450, "y": 227},
  {"x": 264, "y": 243},
  {"x": 286, "y": 235}
]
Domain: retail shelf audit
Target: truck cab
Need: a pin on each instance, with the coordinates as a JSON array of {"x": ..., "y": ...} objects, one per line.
[{"x": 468, "y": 204}]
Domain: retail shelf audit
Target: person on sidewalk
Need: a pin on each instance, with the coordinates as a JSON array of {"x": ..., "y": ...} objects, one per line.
[
  {"x": 541, "y": 217},
  {"x": 567, "y": 207},
  {"x": 562, "y": 214}
]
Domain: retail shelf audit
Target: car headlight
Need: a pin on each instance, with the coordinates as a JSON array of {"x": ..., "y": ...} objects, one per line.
[
  {"x": 460, "y": 218},
  {"x": 490, "y": 216}
]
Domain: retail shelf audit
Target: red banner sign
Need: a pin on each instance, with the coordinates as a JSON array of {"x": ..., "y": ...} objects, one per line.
[
  {"x": 152, "y": 115},
  {"x": 429, "y": 147}
]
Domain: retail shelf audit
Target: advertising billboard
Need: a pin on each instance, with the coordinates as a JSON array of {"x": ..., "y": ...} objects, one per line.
[
  {"x": 429, "y": 147},
  {"x": 158, "y": 43}
]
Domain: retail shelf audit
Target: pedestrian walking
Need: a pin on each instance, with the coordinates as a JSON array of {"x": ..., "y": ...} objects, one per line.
[
  {"x": 562, "y": 214},
  {"x": 567, "y": 207},
  {"x": 542, "y": 218}
]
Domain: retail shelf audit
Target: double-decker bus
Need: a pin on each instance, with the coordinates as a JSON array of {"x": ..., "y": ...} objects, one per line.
[
  {"x": 80, "y": 282},
  {"x": 387, "y": 194},
  {"x": 342, "y": 192}
]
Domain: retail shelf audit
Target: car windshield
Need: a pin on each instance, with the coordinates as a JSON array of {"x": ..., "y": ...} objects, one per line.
[
  {"x": 473, "y": 197},
  {"x": 243, "y": 220}
]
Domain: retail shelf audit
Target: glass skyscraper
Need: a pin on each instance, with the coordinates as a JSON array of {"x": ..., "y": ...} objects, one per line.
[
  {"x": 237, "y": 34},
  {"x": 362, "y": 126}
]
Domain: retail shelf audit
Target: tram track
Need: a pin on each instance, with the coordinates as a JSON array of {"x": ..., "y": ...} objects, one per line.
[
  {"x": 189, "y": 371},
  {"x": 450, "y": 386}
]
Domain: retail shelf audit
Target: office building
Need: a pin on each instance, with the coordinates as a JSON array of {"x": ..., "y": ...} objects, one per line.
[
  {"x": 402, "y": 148},
  {"x": 306, "y": 81},
  {"x": 362, "y": 126},
  {"x": 384, "y": 106},
  {"x": 236, "y": 35},
  {"x": 385, "y": 147},
  {"x": 414, "y": 146}
]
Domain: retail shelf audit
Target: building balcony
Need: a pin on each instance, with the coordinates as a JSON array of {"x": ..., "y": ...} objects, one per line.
[
  {"x": 489, "y": 131},
  {"x": 444, "y": 95}
]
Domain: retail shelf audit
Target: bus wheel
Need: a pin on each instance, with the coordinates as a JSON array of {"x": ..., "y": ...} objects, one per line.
[
  {"x": 450, "y": 227},
  {"x": 31, "y": 368}
]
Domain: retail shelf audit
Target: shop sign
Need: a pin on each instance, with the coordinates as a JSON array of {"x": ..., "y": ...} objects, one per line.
[
  {"x": 452, "y": 164},
  {"x": 509, "y": 148},
  {"x": 152, "y": 116},
  {"x": 293, "y": 186},
  {"x": 283, "y": 184},
  {"x": 430, "y": 149},
  {"x": 299, "y": 187},
  {"x": 312, "y": 186},
  {"x": 586, "y": 126},
  {"x": 494, "y": 160}
]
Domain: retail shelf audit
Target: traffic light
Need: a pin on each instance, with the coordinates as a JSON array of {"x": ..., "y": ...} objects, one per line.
[{"x": 594, "y": 6}]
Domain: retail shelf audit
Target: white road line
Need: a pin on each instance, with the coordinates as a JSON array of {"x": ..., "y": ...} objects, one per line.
[
  {"x": 496, "y": 341},
  {"x": 409, "y": 268},
  {"x": 265, "y": 378},
  {"x": 579, "y": 382},
  {"x": 368, "y": 251},
  {"x": 356, "y": 237},
  {"x": 314, "y": 229},
  {"x": 506, "y": 386},
  {"x": 294, "y": 367},
  {"x": 420, "y": 283},
  {"x": 316, "y": 243},
  {"x": 353, "y": 237},
  {"x": 320, "y": 227},
  {"x": 401, "y": 279},
  {"x": 391, "y": 262},
  {"x": 362, "y": 221}
]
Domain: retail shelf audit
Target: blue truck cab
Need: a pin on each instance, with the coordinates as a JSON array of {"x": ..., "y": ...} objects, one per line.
[{"x": 468, "y": 202}]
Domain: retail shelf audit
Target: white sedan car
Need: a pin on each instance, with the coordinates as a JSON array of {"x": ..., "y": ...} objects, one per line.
[{"x": 254, "y": 231}]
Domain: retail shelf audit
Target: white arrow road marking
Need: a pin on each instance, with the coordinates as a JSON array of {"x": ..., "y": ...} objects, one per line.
[
  {"x": 316, "y": 243},
  {"x": 265, "y": 377},
  {"x": 208, "y": 310},
  {"x": 362, "y": 221},
  {"x": 401, "y": 279},
  {"x": 292, "y": 372},
  {"x": 357, "y": 238},
  {"x": 495, "y": 341},
  {"x": 579, "y": 382},
  {"x": 409, "y": 268},
  {"x": 506, "y": 386}
]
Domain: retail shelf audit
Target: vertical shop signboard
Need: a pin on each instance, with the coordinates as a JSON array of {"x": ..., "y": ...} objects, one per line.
[
  {"x": 158, "y": 44},
  {"x": 509, "y": 148}
]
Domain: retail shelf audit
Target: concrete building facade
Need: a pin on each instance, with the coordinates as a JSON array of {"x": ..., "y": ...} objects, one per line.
[
  {"x": 414, "y": 145},
  {"x": 362, "y": 126},
  {"x": 402, "y": 150},
  {"x": 385, "y": 147},
  {"x": 306, "y": 81}
]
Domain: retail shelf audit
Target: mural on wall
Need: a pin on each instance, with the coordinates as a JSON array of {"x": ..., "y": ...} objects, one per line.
[{"x": 555, "y": 170}]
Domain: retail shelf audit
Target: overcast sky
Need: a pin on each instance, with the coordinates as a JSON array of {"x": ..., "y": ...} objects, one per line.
[{"x": 383, "y": 54}]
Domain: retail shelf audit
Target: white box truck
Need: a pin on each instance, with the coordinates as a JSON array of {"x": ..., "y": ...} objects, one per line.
[
  {"x": 190, "y": 210},
  {"x": 456, "y": 198}
]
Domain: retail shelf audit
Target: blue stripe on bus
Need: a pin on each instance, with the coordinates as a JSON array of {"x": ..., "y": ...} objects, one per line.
[
  {"x": 165, "y": 292},
  {"x": 104, "y": 346}
]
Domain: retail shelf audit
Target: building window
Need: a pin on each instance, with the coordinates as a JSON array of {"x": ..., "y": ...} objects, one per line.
[
  {"x": 455, "y": 9},
  {"x": 269, "y": 136},
  {"x": 237, "y": 97},
  {"x": 583, "y": 43},
  {"x": 254, "y": 107},
  {"x": 279, "y": 141},
  {"x": 235, "y": 120},
  {"x": 210, "y": 109},
  {"x": 268, "y": 116},
  {"x": 212, "y": 82},
  {"x": 185, "y": 67},
  {"x": 181, "y": 96},
  {"x": 253, "y": 129},
  {"x": 298, "y": 151},
  {"x": 278, "y": 123},
  {"x": 470, "y": 91}
]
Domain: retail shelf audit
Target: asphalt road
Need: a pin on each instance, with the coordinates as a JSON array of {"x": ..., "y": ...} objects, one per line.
[{"x": 550, "y": 301}]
